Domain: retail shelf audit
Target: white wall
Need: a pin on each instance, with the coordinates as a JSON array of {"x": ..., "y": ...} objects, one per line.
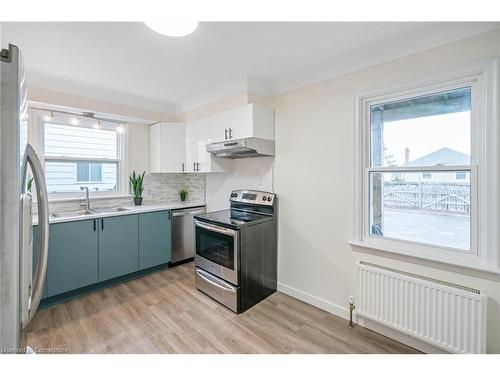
[
  {"x": 138, "y": 146},
  {"x": 255, "y": 174},
  {"x": 314, "y": 177}
]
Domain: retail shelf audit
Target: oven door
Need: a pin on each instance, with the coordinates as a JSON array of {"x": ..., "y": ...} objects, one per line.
[{"x": 217, "y": 250}]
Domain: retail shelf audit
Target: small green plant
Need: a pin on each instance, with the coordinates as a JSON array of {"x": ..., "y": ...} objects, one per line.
[
  {"x": 183, "y": 193},
  {"x": 30, "y": 183},
  {"x": 137, "y": 183}
]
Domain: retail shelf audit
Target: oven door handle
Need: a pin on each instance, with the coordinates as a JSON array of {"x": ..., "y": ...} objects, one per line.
[
  {"x": 220, "y": 284},
  {"x": 215, "y": 228}
]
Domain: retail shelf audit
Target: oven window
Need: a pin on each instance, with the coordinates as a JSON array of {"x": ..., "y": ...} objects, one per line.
[{"x": 216, "y": 247}]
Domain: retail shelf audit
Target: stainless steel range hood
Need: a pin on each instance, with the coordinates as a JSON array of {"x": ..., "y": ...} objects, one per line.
[{"x": 242, "y": 148}]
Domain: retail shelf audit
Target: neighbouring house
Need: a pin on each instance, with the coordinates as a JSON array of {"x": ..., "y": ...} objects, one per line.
[
  {"x": 443, "y": 156},
  {"x": 446, "y": 156}
]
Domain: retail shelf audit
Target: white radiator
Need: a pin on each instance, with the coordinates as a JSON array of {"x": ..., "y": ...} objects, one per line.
[{"x": 449, "y": 316}]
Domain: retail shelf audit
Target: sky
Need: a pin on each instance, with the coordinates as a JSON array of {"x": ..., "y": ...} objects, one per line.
[{"x": 425, "y": 135}]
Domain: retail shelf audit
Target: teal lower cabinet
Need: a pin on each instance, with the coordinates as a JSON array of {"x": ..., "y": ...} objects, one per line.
[
  {"x": 118, "y": 246},
  {"x": 154, "y": 238},
  {"x": 36, "y": 237},
  {"x": 84, "y": 253},
  {"x": 72, "y": 256}
]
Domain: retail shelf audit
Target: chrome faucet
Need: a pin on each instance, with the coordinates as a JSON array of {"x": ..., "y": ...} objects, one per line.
[{"x": 85, "y": 205}]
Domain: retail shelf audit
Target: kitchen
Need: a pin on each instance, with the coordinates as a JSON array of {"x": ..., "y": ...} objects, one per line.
[{"x": 240, "y": 208}]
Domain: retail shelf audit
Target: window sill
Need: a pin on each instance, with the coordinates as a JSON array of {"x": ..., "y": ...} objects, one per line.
[{"x": 361, "y": 246}]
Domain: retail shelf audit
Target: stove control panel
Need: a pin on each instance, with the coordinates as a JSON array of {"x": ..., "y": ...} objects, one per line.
[{"x": 253, "y": 196}]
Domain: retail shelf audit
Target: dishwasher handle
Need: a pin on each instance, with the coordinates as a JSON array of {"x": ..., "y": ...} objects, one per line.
[{"x": 188, "y": 212}]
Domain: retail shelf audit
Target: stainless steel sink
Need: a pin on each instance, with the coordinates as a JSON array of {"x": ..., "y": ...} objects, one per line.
[
  {"x": 111, "y": 209},
  {"x": 65, "y": 214}
]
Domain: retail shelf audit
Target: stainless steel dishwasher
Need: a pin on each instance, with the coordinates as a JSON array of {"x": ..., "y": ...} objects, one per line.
[{"x": 182, "y": 233}]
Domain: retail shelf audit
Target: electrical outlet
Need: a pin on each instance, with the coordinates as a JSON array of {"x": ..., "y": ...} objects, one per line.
[{"x": 351, "y": 299}]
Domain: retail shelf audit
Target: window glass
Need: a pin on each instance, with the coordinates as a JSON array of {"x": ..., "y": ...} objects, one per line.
[
  {"x": 433, "y": 212},
  {"x": 68, "y": 176},
  {"x": 422, "y": 131},
  {"x": 82, "y": 172},
  {"x": 80, "y": 142},
  {"x": 67, "y": 147},
  {"x": 95, "y": 172}
]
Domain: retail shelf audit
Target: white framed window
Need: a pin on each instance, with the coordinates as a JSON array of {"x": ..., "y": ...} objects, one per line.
[
  {"x": 427, "y": 176},
  {"x": 86, "y": 153},
  {"x": 89, "y": 172},
  {"x": 437, "y": 135}
]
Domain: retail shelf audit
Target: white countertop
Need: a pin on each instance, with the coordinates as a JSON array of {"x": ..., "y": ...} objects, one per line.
[{"x": 133, "y": 210}]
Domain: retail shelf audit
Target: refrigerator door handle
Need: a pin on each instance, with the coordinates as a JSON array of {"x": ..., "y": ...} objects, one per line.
[{"x": 43, "y": 225}]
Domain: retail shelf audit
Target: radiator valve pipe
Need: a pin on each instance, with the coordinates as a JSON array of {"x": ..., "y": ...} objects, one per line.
[{"x": 351, "y": 309}]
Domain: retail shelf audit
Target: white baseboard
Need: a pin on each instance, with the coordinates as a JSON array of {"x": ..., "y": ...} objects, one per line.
[
  {"x": 371, "y": 325},
  {"x": 315, "y": 301}
]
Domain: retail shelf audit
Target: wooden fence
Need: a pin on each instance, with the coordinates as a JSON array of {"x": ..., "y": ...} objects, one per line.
[{"x": 450, "y": 197}]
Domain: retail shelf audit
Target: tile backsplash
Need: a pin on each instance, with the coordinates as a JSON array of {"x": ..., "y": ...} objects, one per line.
[
  {"x": 162, "y": 188},
  {"x": 158, "y": 188}
]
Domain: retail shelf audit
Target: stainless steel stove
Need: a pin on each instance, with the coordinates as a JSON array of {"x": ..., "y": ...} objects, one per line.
[{"x": 236, "y": 250}]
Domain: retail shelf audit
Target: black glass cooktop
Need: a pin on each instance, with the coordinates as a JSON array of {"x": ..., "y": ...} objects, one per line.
[{"x": 233, "y": 218}]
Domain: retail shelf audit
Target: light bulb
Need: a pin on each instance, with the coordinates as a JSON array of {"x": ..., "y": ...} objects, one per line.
[
  {"x": 75, "y": 121},
  {"x": 175, "y": 28},
  {"x": 97, "y": 125},
  {"x": 46, "y": 118},
  {"x": 119, "y": 129}
]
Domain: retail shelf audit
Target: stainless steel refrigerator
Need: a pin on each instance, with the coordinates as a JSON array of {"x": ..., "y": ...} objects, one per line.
[{"x": 22, "y": 268}]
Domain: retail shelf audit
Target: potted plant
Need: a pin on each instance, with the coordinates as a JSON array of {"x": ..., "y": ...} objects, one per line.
[
  {"x": 137, "y": 182},
  {"x": 30, "y": 184},
  {"x": 183, "y": 193}
]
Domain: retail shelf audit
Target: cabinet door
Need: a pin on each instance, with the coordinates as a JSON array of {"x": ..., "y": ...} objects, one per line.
[
  {"x": 196, "y": 143},
  {"x": 154, "y": 238},
  {"x": 118, "y": 246},
  {"x": 173, "y": 147},
  {"x": 238, "y": 121},
  {"x": 197, "y": 157},
  {"x": 36, "y": 239},
  {"x": 219, "y": 127},
  {"x": 154, "y": 148},
  {"x": 251, "y": 120},
  {"x": 73, "y": 256}
]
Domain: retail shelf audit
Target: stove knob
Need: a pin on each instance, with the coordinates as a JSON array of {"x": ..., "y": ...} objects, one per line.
[
  {"x": 264, "y": 198},
  {"x": 269, "y": 199}
]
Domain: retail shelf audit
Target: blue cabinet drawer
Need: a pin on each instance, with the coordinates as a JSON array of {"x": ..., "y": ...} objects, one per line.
[
  {"x": 118, "y": 246},
  {"x": 154, "y": 238}
]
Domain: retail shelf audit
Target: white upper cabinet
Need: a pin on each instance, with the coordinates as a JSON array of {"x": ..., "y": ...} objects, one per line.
[
  {"x": 251, "y": 120},
  {"x": 197, "y": 157},
  {"x": 167, "y": 147}
]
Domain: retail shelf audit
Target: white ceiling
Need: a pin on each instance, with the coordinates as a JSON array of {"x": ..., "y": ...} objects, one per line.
[{"x": 130, "y": 64}]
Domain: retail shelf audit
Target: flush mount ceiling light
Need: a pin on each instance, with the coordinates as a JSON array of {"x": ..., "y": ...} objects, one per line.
[{"x": 175, "y": 28}]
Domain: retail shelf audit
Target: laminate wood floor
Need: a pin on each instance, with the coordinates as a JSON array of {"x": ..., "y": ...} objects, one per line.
[{"x": 164, "y": 313}]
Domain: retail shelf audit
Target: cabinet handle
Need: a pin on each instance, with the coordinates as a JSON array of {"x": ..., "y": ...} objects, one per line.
[
  {"x": 194, "y": 167},
  {"x": 230, "y": 133},
  {"x": 197, "y": 167},
  {"x": 102, "y": 224},
  {"x": 182, "y": 167},
  {"x": 169, "y": 214},
  {"x": 225, "y": 134},
  {"x": 95, "y": 225}
]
